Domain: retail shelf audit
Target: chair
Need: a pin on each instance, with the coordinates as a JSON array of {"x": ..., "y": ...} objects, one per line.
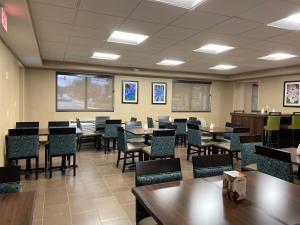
[
  {"x": 20, "y": 125},
  {"x": 150, "y": 123},
  {"x": 100, "y": 122},
  {"x": 239, "y": 111},
  {"x": 230, "y": 126},
  {"x": 62, "y": 143},
  {"x": 133, "y": 119},
  {"x": 110, "y": 133},
  {"x": 181, "y": 131},
  {"x": 196, "y": 122},
  {"x": 195, "y": 143},
  {"x": 248, "y": 155},
  {"x": 53, "y": 124},
  {"x": 132, "y": 138},
  {"x": 192, "y": 118},
  {"x": 129, "y": 150},
  {"x": 211, "y": 165},
  {"x": 154, "y": 172},
  {"x": 162, "y": 121},
  {"x": 274, "y": 162},
  {"x": 10, "y": 179},
  {"x": 23, "y": 144},
  {"x": 162, "y": 145},
  {"x": 273, "y": 126},
  {"x": 295, "y": 125},
  {"x": 87, "y": 136}
]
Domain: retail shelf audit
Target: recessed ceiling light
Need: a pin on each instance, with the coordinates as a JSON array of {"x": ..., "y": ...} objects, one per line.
[
  {"x": 169, "y": 62},
  {"x": 187, "y": 4},
  {"x": 290, "y": 23},
  {"x": 223, "y": 67},
  {"x": 214, "y": 48},
  {"x": 105, "y": 56},
  {"x": 127, "y": 38},
  {"x": 277, "y": 56}
]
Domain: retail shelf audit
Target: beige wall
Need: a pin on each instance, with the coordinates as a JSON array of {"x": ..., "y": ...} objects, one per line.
[
  {"x": 10, "y": 94},
  {"x": 40, "y": 100}
]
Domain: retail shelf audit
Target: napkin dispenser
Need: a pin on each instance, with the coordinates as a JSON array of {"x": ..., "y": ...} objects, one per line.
[{"x": 234, "y": 185}]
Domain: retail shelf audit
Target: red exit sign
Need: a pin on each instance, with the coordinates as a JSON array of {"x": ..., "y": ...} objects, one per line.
[{"x": 4, "y": 18}]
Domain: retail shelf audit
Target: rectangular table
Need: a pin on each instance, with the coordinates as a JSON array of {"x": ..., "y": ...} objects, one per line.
[
  {"x": 216, "y": 131},
  {"x": 17, "y": 208},
  {"x": 141, "y": 131},
  {"x": 294, "y": 157},
  {"x": 201, "y": 202}
]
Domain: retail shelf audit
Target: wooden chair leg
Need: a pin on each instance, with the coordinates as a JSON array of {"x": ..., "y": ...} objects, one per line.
[
  {"x": 74, "y": 164},
  {"x": 124, "y": 162},
  {"x": 50, "y": 167},
  {"x": 188, "y": 152},
  {"x": 119, "y": 156},
  {"x": 37, "y": 168},
  {"x": 46, "y": 160}
]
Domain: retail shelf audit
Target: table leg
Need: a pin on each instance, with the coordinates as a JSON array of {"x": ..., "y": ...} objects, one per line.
[{"x": 147, "y": 137}]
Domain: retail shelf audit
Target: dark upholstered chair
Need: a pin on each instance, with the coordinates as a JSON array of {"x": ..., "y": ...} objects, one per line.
[
  {"x": 100, "y": 122},
  {"x": 181, "y": 125},
  {"x": 274, "y": 162},
  {"x": 132, "y": 137},
  {"x": 53, "y": 124},
  {"x": 129, "y": 150},
  {"x": 154, "y": 172},
  {"x": 248, "y": 155},
  {"x": 62, "y": 143},
  {"x": 150, "y": 122},
  {"x": 133, "y": 119},
  {"x": 211, "y": 165},
  {"x": 23, "y": 144},
  {"x": 20, "y": 125},
  {"x": 162, "y": 121},
  {"x": 230, "y": 127},
  {"x": 111, "y": 133},
  {"x": 10, "y": 179}
]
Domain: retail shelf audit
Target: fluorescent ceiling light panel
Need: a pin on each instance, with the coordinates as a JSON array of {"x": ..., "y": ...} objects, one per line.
[
  {"x": 127, "y": 38},
  {"x": 223, "y": 67},
  {"x": 169, "y": 62},
  {"x": 187, "y": 4},
  {"x": 278, "y": 56},
  {"x": 214, "y": 48},
  {"x": 290, "y": 23},
  {"x": 105, "y": 56}
]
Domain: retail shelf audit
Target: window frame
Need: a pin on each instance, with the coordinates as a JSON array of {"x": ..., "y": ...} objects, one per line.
[
  {"x": 192, "y": 82},
  {"x": 87, "y": 75}
]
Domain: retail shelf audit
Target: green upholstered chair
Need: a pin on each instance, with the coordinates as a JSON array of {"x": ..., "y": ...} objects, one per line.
[
  {"x": 195, "y": 143},
  {"x": 111, "y": 133},
  {"x": 211, "y": 165},
  {"x": 10, "y": 179},
  {"x": 154, "y": 172},
  {"x": 272, "y": 129},
  {"x": 181, "y": 125},
  {"x": 23, "y": 144},
  {"x": 133, "y": 138},
  {"x": 150, "y": 122},
  {"x": 162, "y": 145},
  {"x": 274, "y": 162},
  {"x": 62, "y": 143},
  {"x": 129, "y": 150},
  {"x": 248, "y": 155}
]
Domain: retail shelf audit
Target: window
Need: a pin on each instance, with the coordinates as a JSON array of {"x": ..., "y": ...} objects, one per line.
[
  {"x": 79, "y": 92},
  {"x": 191, "y": 96},
  {"x": 254, "y": 102}
]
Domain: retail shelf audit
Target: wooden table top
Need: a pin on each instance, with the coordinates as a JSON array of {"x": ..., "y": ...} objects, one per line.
[
  {"x": 141, "y": 131},
  {"x": 216, "y": 130},
  {"x": 200, "y": 201},
  {"x": 294, "y": 157},
  {"x": 17, "y": 208}
]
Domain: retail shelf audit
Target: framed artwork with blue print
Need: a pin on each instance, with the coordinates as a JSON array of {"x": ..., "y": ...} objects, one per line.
[
  {"x": 130, "y": 92},
  {"x": 159, "y": 93}
]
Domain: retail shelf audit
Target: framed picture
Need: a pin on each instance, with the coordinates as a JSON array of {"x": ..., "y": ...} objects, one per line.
[
  {"x": 130, "y": 92},
  {"x": 291, "y": 96},
  {"x": 159, "y": 93}
]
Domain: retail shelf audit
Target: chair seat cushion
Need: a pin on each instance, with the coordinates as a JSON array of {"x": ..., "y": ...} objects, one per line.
[
  {"x": 147, "y": 221},
  {"x": 147, "y": 150},
  {"x": 211, "y": 171},
  {"x": 224, "y": 145},
  {"x": 10, "y": 187},
  {"x": 136, "y": 140},
  {"x": 251, "y": 167},
  {"x": 158, "y": 178},
  {"x": 135, "y": 146}
]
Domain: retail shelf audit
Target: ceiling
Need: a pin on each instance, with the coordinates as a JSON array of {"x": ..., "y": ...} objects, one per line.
[{"x": 71, "y": 30}]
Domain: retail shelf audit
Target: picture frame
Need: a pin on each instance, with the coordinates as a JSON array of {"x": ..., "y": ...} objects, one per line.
[
  {"x": 130, "y": 92},
  {"x": 291, "y": 94},
  {"x": 159, "y": 93}
]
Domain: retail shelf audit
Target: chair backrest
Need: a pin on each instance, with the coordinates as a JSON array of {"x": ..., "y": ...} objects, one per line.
[
  {"x": 110, "y": 130},
  {"x": 221, "y": 161},
  {"x": 192, "y": 118},
  {"x": 296, "y": 121},
  {"x": 62, "y": 141},
  {"x": 150, "y": 122},
  {"x": 273, "y": 122},
  {"x": 157, "y": 171},
  {"x": 248, "y": 155},
  {"x": 122, "y": 139},
  {"x": 132, "y": 125},
  {"x": 100, "y": 122},
  {"x": 237, "y": 132},
  {"x": 133, "y": 119},
  {"x": 238, "y": 111},
  {"x": 53, "y": 124},
  {"x": 78, "y": 123},
  {"x": 20, "y": 125},
  {"x": 274, "y": 162},
  {"x": 181, "y": 125},
  {"x": 163, "y": 118},
  {"x": 10, "y": 179},
  {"x": 22, "y": 143},
  {"x": 194, "y": 135},
  {"x": 163, "y": 143},
  {"x": 171, "y": 126},
  {"x": 196, "y": 122},
  {"x": 230, "y": 126}
]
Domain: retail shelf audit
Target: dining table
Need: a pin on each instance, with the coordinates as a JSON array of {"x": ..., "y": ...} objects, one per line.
[
  {"x": 295, "y": 159},
  {"x": 269, "y": 201},
  {"x": 147, "y": 133},
  {"x": 215, "y": 132},
  {"x": 17, "y": 208}
]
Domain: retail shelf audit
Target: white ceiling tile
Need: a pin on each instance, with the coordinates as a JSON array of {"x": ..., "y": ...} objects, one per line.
[
  {"x": 53, "y": 27},
  {"x": 110, "y": 7},
  {"x": 63, "y": 3},
  {"x": 176, "y": 33},
  {"x": 45, "y": 36},
  {"x": 198, "y": 20},
  {"x": 100, "y": 34},
  {"x": 80, "y": 50},
  {"x": 52, "y": 55},
  {"x": 148, "y": 50},
  {"x": 263, "y": 32},
  {"x": 51, "y": 13},
  {"x": 288, "y": 38},
  {"x": 158, "y": 42},
  {"x": 89, "y": 42},
  {"x": 157, "y": 13},
  {"x": 94, "y": 20},
  {"x": 140, "y": 27},
  {"x": 49, "y": 46},
  {"x": 234, "y": 26},
  {"x": 268, "y": 47}
]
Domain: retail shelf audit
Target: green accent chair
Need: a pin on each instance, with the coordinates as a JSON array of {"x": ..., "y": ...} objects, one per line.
[{"x": 272, "y": 129}]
